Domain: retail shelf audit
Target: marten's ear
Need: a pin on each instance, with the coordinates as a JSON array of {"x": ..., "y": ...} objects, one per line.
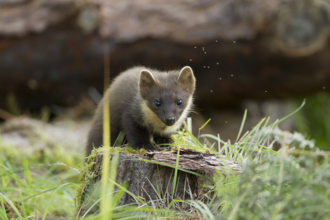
[
  {"x": 146, "y": 81},
  {"x": 186, "y": 78}
]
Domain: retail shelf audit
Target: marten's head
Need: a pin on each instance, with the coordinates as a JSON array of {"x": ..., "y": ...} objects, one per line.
[{"x": 167, "y": 96}]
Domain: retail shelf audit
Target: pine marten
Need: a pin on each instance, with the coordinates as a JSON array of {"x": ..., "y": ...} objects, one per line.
[{"x": 144, "y": 103}]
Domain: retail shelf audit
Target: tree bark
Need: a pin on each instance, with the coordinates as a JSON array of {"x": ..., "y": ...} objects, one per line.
[{"x": 152, "y": 182}]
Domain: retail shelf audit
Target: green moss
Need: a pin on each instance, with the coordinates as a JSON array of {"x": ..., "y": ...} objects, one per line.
[
  {"x": 180, "y": 138},
  {"x": 87, "y": 175}
]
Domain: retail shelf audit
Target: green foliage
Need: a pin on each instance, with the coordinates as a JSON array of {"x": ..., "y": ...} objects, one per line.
[
  {"x": 290, "y": 184},
  {"x": 31, "y": 185},
  {"x": 299, "y": 191},
  {"x": 313, "y": 120}
]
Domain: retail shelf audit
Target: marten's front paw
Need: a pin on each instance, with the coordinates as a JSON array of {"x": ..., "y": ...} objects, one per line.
[{"x": 148, "y": 147}]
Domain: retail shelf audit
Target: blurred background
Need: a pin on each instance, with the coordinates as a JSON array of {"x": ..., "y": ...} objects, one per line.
[{"x": 263, "y": 56}]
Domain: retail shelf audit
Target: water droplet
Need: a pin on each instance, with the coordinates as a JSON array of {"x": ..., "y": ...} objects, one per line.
[
  {"x": 195, "y": 47},
  {"x": 217, "y": 63},
  {"x": 266, "y": 91},
  {"x": 232, "y": 75},
  {"x": 208, "y": 67},
  {"x": 205, "y": 52},
  {"x": 204, "y": 66},
  {"x": 233, "y": 41},
  {"x": 226, "y": 121},
  {"x": 203, "y": 48},
  {"x": 220, "y": 78},
  {"x": 216, "y": 41},
  {"x": 190, "y": 59},
  {"x": 323, "y": 87},
  {"x": 211, "y": 90}
]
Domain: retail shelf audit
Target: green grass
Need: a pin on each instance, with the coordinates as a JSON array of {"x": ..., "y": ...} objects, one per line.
[
  {"x": 292, "y": 183},
  {"x": 31, "y": 187}
]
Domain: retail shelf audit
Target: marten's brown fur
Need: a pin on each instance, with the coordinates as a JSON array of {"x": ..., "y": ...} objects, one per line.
[{"x": 145, "y": 103}]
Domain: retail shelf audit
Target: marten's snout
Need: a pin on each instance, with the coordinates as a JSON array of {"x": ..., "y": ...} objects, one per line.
[{"x": 170, "y": 121}]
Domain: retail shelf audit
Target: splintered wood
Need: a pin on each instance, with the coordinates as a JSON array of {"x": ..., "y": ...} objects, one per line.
[
  {"x": 195, "y": 161},
  {"x": 153, "y": 183}
]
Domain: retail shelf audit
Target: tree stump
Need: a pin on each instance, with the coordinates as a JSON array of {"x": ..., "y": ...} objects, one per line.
[{"x": 153, "y": 182}]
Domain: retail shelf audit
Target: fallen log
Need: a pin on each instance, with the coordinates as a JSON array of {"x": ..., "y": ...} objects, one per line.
[
  {"x": 153, "y": 181},
  {"x": 251, "y": 49}
]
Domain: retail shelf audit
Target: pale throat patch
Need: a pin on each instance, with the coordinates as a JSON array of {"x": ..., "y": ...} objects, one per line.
[{"x": 150, "y": 118}]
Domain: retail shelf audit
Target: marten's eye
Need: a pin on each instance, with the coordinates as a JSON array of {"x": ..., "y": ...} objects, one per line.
[
  {"x": 179, "y": 102},
  {"x": 157, "y": 104}
]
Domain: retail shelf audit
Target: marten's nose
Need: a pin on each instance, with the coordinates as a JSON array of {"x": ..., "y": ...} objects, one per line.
[{"x": 170, "y": 121}]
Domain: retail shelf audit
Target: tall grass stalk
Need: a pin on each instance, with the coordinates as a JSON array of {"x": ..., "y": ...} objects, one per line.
[
  {"x": 199, "y": 130},
  {"x": 176, "y": 170},
  {"x": 242, "y": 125},
  {"x": 106, "y": 187}
]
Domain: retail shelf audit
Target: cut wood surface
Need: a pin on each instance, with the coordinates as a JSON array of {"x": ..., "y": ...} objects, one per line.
[
  {"x": 195, "y": 161},
  {"x": 152, "y": 182}
]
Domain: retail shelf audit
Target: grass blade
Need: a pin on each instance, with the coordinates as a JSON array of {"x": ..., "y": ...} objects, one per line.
[
  {"x": 106, "y": 203},
  {"x": 289, "y": 115},
  {"x": 199, "y": 130},
  {"x": 204, "y": 124},
  {"x": 51, "y": 198},
  {"x": 213, "y": 137},
  {"x": 47, "y": 190},
  {"x": 242, "y": 125},
  {"x": 128, "y": 192},
  {"x": 3, "y": 213},
  {"x": 11, "y": 205},
  {"x": 194, "y": 139},
  {"x": 21, "y": 198},
  {"x": 252, "y": 131},
  {"x": 176, "y": 170},
  {"x": 27, "y": 172}
]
